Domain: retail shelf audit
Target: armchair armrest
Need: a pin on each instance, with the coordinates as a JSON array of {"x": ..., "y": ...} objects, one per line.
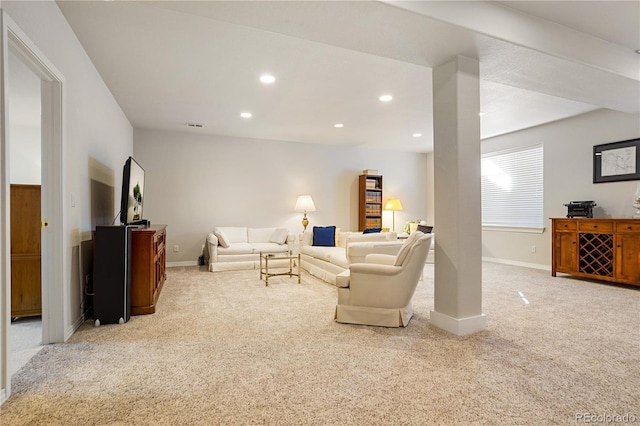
[
  {"x": 373, "y": 269},
  {"x": 382, "y": 259},
  {"x": 211, "y": 250}
]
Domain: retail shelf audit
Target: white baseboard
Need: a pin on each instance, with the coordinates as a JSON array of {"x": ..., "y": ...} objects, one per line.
[
  {"x": 458, "y": 326},
  {"x": 184, "y": 263},
  {"x": 516, "y": 263}
]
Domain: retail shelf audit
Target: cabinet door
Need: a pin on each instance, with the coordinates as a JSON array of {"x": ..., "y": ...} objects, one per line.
[
  {"x": 566, "y": 252},
  {"x": 628, "y": 257}
]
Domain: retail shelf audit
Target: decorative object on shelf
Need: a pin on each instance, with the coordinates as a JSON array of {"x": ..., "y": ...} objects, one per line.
[
  {"x": 305, "y": 204},
  {"x": 393, "y": 204},
  {"x": 580, "y": 208},
  {"x": 616, "y": 161},
  {"x": 636, "y": 203}
]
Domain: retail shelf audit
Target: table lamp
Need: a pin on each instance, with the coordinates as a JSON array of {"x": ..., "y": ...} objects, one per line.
[{"x": 305, "y": 204}]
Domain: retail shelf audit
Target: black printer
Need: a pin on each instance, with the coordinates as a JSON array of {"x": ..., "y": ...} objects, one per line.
[{"x": 580, "y": 208}]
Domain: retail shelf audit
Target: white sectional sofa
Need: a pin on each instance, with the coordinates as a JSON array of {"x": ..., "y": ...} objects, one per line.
[
  {"x": 233, "y": 248},
  {"x": 326, "y": 262}
]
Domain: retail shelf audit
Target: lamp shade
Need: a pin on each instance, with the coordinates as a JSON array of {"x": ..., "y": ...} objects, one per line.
[
  {"x": 393, "y": 204},
  {"x": 305, "y": 204}
]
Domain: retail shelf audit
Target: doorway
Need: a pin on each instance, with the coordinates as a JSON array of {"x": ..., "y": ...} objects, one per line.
[
  {"x": 53, "y": 237},
  {"x": 25, "y": 177}
]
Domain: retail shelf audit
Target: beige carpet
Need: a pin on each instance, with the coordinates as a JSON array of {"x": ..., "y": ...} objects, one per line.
[{"x": 225, "y": 349}]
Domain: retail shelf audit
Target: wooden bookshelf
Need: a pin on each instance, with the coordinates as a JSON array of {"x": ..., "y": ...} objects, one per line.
[{"x": 370, "y": 202}]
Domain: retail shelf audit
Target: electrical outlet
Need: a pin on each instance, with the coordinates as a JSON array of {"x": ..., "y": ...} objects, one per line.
[
  {"x": 533, "y": 249},
  {"x": 176, "y": 248}
]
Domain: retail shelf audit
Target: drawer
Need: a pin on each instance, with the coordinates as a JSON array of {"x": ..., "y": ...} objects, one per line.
[
  {"x": 595, "y": 226},
  {"x": 628, "y": 226},
  {"x": 565, "y": 225}
]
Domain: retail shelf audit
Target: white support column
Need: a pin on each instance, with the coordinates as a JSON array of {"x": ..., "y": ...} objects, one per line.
[{"x": 458, "y": 251}]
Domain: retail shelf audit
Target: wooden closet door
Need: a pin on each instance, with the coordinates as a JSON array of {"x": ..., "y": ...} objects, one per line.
[{"x": 26, "y": 290}]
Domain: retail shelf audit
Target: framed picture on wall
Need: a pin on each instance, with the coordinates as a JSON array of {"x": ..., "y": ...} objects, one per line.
[{"x": 616, "y": 161}]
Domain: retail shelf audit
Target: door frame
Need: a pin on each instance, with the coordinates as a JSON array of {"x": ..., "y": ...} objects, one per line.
[{"x": 55, "y": 271}]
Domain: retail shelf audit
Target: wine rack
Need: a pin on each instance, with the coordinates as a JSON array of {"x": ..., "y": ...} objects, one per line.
[{"x": 596, "y": 254}]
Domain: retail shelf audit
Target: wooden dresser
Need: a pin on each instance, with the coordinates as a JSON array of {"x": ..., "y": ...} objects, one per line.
[
  {"x": 603, "y": 249},
  {"x": 148, "y": 267}
]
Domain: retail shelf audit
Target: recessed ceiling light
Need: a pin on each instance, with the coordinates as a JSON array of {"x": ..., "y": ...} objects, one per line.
[
  {"x": 386, "y": 98},
  {"x": 245, "y": 114},
  {"x": 267, "y": 78},
  {"x": 338, "y": 125},
  {"x": 638, "y": 51},
  {"x": 482, "y": 113},
  {"x": 417, "y": 135}
]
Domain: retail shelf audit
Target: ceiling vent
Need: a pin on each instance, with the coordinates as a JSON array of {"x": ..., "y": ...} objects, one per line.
[{"x": 198, "y": 125}]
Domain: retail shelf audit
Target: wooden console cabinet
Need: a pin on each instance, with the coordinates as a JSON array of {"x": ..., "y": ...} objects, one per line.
[
  {"x": 603, "y": 249},
  {"x": 148, "y": 267}
]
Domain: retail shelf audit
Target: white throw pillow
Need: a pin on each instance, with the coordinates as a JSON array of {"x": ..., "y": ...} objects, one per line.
[
  {"x": 279, "y": 236},
  {"x": 222, "y": 238},
  {"x": 404, "y": 250}
]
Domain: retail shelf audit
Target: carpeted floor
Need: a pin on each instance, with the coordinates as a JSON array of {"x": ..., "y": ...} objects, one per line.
[{"x": 224, "y": 349}]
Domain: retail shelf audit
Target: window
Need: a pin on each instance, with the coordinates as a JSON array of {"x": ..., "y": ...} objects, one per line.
[{"x": 512, "y": 189}]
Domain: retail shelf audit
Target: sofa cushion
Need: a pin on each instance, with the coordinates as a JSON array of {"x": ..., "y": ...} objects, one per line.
[
  {"x": 279, "y": 236},
  {"x": 359, "y": 236},
  {"x": 223, "y": 240},
  {"x": 343, "y": 278},
  {"x": 333, "y": 255},
  {"x": 259, "y": 235},
  {"x": 235, "y": 234},
  {"x": 306, "y": 238},
  {"x": 324, "y": 236},
  {"x": 236, "y": 248},
  {"x": 269, "y": 248}
]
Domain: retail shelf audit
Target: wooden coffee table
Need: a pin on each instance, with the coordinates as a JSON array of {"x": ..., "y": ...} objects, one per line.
[{"x": 265, "y": 258}]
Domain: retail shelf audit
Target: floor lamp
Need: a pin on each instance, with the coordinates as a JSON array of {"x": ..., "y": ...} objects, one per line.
[{"x": 393, "y": 204}]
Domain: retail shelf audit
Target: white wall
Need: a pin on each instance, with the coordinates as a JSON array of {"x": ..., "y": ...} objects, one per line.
[
  {"x": 25, "y": 155},
  {"x": 97, "y": 138},
  {"x": 24, "y": 124},
  {"x": 195, "y": 182},
  {"x": 568, "y": 176}
]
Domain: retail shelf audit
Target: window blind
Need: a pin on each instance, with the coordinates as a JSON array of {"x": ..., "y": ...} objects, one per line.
[{"x": 512, "y": 188}]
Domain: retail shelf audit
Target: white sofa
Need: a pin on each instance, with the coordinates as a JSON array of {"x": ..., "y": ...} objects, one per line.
[
  {"x": 350, "y": 247},
  {"x": 234, "y": 248}
]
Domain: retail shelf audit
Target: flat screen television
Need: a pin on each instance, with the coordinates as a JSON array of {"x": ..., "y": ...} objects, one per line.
[{"x": 132, "y": 194}]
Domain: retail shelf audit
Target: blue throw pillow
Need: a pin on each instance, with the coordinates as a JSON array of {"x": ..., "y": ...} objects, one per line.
[
  {"x": 372, "y": 230},
  {"x": 324, "y": 236}
]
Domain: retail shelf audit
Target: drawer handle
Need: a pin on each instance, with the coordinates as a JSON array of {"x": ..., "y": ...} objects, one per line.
[
  {"x": 629, "y": 228},
  {"x": 595, "y": 226}
]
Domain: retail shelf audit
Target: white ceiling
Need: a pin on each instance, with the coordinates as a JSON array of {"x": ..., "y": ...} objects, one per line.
[{"x": 176, "y": 62}]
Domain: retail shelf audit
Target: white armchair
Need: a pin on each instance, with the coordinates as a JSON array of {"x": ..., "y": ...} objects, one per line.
[{"x": 379, "y": 291}]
